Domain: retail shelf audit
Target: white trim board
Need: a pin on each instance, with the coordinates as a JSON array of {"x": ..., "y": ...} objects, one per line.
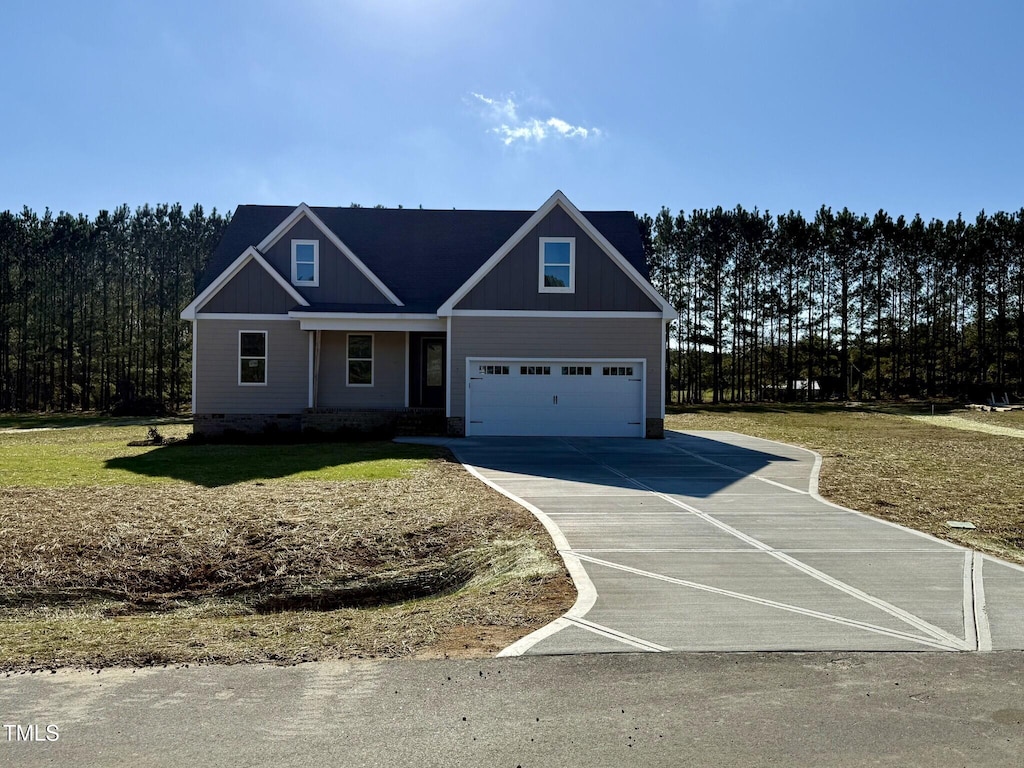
[
  {"x": 551, "y": 313},
  {"x": 249, "y": 254},
  {"x": 195, "y": 357},
  {"x": 559, "y": 199},
  {"x": 304, "y": 210},
  {"x": 239, "y": 316},
  {"x": 369, "y": 323}
]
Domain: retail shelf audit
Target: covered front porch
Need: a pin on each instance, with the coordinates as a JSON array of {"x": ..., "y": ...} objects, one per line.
[{"x": 371, "y": 371}]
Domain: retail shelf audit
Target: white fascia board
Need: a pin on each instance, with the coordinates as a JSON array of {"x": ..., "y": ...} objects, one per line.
[
  {"x": 372, "y": 323},
  {"x": 240, "y": 316},
  {"x": 304, "y": 210},
  {"x": 302, "y": 314},
  {"x": 575, "y": 315},
  {"x": 249, "y": 254},
  {"x": 558, "y": 198}
]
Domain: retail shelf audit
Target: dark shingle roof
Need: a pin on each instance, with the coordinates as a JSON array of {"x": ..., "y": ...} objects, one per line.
[{"x": 423, "y": 256}]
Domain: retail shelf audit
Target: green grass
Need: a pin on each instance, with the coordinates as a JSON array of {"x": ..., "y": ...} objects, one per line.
[
  {"x": 79, "y": 419},
  {"x": 100, "y": 456}
]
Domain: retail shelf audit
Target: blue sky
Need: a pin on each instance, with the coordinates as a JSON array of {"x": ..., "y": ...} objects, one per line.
[{"x": 903, "y": 105}]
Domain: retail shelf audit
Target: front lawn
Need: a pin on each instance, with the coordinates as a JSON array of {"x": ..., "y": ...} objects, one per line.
[{"x": 192, "y": 553}]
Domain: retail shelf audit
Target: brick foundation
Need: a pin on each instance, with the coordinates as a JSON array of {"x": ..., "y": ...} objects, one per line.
[
  {"x": 655, "y": 429},
  {"x": 398, "y": 421},
  {"x": 213, "y": 424},
  {"x": 456, "y": 426}
]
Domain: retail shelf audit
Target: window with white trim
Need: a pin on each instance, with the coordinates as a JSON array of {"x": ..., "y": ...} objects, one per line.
[
  {"x": 535, "y": 370},
  {"x": 557, "y": 265},
  {"x": 576, "y": 370},
  {"x": 252, "y": 358},
  {"x": 360, "y": 360},
  {"x": 618, "y": 370},
  {"x": 306, "y": 262},
  {"x": 494, "y": 370}
]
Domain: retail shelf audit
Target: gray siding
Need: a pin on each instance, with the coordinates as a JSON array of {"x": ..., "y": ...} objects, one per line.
[
  {"x": 252, "y": 290},
  {"x": 340, "y": 281},
  {"x": 553, "y": 338},
  {"x": 600, "y": 282},
  {"x": 388, "y": 390},
  {"x": 216, "y": 368}
]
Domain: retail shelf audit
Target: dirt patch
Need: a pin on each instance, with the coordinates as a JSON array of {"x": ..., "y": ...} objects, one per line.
[{"x": 281, "y": 571}]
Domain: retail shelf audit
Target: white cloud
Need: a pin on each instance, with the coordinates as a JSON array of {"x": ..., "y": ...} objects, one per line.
[{"x": 510, "y": 128}]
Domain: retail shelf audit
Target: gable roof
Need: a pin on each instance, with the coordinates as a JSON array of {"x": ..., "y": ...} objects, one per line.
[
  {"x": 224, "y": 277},
  {"x": 558, "y": 199},
  {"x": 422, "y": 256},
  {"x": 305, "y": 211}
]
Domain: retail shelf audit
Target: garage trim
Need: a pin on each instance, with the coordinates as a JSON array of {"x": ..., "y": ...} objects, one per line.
[{"x": 641, "y": 362}]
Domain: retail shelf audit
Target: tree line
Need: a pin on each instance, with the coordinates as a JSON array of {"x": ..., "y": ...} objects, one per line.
[
  {"x": 768, "y": 307},
  {"x": 839, "y": 305},
  {"x": 89, "y": 306}
]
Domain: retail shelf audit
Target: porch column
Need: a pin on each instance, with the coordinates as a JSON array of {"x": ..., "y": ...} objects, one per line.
[{"x": 309, "y": 398}]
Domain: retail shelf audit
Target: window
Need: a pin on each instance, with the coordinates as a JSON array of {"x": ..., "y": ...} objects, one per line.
[
  {"x": 557, "y": 265},
  {"x": 360, "y": 360},
  {"x": 618, "y": 370},
  {"x": 494, "y": 370},
  {"x": 576, "y": 370},
  {"x": 306, "y": 262},
  {"x": 252, "y": 358},
  {"x": 535, "y": 370}
]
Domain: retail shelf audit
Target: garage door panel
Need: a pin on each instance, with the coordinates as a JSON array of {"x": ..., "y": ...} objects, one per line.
[{"x": 556, "y": 398}]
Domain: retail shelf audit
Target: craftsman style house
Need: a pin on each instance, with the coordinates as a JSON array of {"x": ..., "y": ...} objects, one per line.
[{"x": 493, "y": 322}]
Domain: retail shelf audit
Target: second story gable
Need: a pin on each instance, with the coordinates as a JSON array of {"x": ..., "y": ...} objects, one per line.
[
  {"x": 308, "y": 257},
  {"x": 557, "y": 266}
]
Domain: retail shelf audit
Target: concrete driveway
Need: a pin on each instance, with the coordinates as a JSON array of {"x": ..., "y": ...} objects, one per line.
[{"x": 713, "y": 541}]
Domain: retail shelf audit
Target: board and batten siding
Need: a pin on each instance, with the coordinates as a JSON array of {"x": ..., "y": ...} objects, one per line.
[
  {"x": 252, "y": 290},
  {"x": 600, "y": 282},
  {"x": 217, "y": 387},
  {"x": 388, "y": 390},
  {"x": 556, "y": 339},
  {"x": 340, "y": 281}
]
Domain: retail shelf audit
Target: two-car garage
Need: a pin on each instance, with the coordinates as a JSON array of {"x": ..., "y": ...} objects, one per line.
[{"x": 598, "y": 398}]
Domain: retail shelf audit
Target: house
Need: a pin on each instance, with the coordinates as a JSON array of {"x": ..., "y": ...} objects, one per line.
[{"x": 497, "y": 322}]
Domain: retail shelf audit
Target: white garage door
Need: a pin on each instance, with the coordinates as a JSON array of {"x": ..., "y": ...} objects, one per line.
[{"x": 557, "y": 397}]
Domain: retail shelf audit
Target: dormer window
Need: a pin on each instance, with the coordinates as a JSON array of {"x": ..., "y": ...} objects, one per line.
[
  {"x": 557, "y": 265},
  {"x": 306, "y": 262}
]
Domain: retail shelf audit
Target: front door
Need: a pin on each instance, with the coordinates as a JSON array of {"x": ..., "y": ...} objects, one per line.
[{"x": 432, "y": 368}]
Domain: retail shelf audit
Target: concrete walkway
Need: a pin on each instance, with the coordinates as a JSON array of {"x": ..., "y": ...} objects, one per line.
[{"x": 712, "y": 541}]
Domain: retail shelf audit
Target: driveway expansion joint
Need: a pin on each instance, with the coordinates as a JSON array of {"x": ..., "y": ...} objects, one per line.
[{"x": 643, "y": 528}]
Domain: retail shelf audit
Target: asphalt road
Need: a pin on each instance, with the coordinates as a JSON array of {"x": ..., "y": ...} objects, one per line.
[
  {"x": 924, "y": 709},
  {"x": 714, "y": 541}
]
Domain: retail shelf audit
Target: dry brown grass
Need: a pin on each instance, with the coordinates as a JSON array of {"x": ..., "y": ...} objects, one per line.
[
  {"x": 174, "y": 572},
  {"x": 911, "y": 472}
]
